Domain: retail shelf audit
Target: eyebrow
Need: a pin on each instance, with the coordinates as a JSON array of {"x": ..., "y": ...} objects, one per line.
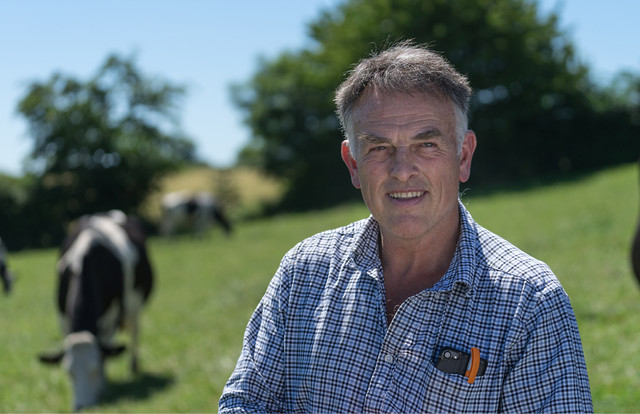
[
  {"x": 366, "y": 138},
  {"x": 428, "y": 134}
]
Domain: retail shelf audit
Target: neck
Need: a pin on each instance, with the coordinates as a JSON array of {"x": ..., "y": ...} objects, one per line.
[
  {"x": 427, "y": 259},
  {"x": 410, "y": 267}
]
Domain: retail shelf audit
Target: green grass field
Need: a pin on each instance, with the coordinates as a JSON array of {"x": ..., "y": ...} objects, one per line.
[{"x": 207, "y": 289}]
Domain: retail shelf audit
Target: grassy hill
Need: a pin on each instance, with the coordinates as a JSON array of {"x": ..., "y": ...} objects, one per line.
[
  {"x": 207, "y": 289},
  {"x": 243, "y": 190}
]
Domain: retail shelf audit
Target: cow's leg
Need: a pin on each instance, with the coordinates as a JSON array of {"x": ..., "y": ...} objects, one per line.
[
  {"x": 219, "y": 215},
  {"x": 201, "y": 223},
  {"x": 134, "y": 346},
  {"x": 133, "y": 301},
  {"x": 167, "y": 223},
  {"x": 133, "y": 326}
]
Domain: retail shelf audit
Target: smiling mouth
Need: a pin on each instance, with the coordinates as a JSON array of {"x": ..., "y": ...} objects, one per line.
[{"x": 407, "y": 195}]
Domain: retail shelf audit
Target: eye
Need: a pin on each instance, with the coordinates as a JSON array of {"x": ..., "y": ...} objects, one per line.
[
  {"x": 377, "y": 148},
  {"x": 427, "y": 146}
]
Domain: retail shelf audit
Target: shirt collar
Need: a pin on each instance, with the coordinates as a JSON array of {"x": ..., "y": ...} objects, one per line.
[
  {"x": 461, "y": 273},
  {"x": 365, "y": 252}
]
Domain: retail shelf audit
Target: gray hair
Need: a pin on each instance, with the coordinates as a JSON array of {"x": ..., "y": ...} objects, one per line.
[{"x": 409, "y": 69}]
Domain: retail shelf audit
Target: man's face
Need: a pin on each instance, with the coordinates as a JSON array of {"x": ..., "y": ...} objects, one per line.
[{"x": 406, "y": 162}]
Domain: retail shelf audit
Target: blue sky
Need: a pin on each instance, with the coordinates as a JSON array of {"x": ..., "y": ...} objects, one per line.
[{"x": 207, "y": 45}]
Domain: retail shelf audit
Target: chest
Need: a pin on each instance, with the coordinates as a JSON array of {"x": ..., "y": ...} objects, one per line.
[
  {"x": 356, "y": 362},
  {"x": 397, "y": 290}
]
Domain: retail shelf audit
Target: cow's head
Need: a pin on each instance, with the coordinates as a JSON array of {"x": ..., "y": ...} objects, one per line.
[{"x": 83, "y": 359}]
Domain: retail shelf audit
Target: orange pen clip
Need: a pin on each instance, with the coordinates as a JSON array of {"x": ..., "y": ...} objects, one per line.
[{"x": 475, "y": 365}]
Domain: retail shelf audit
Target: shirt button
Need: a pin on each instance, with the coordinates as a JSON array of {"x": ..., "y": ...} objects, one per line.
[{"x": 388, "y": 358}]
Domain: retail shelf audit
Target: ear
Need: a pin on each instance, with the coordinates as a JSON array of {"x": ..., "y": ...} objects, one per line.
[
  {"x": 351, "y": 163},
  {"x": 466, "y": 154},
  {"x": 109, "y": 351},
  {"x": 51, "y": 357}
]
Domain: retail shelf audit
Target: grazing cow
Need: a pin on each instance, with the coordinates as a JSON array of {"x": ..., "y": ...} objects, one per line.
[
  {"x": 5, "y": 274},
  {"x": 198, "y": 209},
  {"x": 104, "y": 279},
  {"x": 635, "y": 252}
]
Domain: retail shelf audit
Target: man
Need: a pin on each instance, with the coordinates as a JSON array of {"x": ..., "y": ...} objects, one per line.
[{"x": 417, "y": 308}]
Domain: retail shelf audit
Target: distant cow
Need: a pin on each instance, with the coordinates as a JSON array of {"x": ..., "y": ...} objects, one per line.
[
  {"x": 5, "y": 274},
  {"x": 104, "y": 278},
  {"x": 198, "y": 210}
]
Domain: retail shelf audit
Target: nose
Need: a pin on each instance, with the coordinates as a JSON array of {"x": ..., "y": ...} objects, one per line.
[{"x": 403, "y": 165}]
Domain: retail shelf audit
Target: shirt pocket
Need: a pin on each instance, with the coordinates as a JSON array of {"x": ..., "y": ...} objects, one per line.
[{"x": 453, "y": 393}]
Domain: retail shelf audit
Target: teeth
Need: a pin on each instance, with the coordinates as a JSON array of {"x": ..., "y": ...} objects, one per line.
[{"x": 410, "y": 194}]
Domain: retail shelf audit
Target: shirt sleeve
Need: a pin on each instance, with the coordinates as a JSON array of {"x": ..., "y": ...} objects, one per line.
[
  {"x": 549, "y": 373},
  {"x": 257, "y": 383}
]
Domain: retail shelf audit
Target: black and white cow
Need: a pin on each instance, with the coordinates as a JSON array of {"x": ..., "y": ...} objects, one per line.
[
  {"x": 104, "y": 280},
  {"x": 199, "y": 210},
  {"x": 5, "y": 274}
]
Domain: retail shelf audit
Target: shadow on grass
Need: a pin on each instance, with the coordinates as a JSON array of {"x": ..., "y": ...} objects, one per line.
[{"x": 141, "y": 387}]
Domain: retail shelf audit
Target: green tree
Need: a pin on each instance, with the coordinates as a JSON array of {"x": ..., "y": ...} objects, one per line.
[
  {"x": 532, "y": 109},
  {"x": 103, "y": 143},
  {"x": 295, "y": 131}
]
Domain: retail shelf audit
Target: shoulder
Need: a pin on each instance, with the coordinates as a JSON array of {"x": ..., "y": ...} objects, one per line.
[
  {"x": 306, "y": 267},
  {"x": 512, "y": 278},
  {"x": 500, "y": 256},
  {"x": 329, "y": 244},
  {"x": 321, "y": 256},
  {"x": 499, "y": 262},
  {"x": 503, "y": 271},
  {"x": 521, "y": 291}
]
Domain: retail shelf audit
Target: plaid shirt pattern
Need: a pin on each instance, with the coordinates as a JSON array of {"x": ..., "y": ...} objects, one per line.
[{"x": 319, "y": 340}]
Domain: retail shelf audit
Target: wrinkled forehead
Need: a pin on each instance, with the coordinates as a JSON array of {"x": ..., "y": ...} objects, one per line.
[
  {"x": 400, "y": 109},
  {"x": 374, "y": 98}
]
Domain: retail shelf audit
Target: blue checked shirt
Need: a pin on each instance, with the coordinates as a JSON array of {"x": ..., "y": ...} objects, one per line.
[{"x": 319, "y": 339}]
